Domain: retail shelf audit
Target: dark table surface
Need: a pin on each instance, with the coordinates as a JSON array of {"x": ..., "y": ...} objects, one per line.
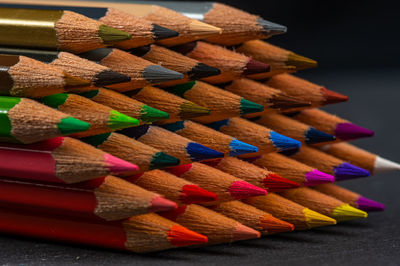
[{"x": 374, "y": 103}]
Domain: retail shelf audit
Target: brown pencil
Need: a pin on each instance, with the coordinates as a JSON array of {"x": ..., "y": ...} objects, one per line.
[
  {"x": 141, "y": 71},
  {"x": 177, "y": 107},
  {"x": 217, "y": 227},
  {"x": 232, "y": 65},
  {"x": 190, "y": 68},
  {"x": 258, "y": 176},
  {"x": 262, "y": 94},
  {"x": 305, "y": 90},
  {"x": 291, "y": 169},
  {"x": 280, "y": 60},
  {"x": 73, "y": 65},
  {"x": 292, "y": 128},
  {"x": 55, "y": 29},
  {"x": 361, "y": 158},
  {"x": 107, "y": 198},
  {"x": 350, "y": 197},
  {"x": 252, "y": 217},
  {"x": 332, "y": 124},
  {"x": 25, "y": 77},
  {"x": 144, "y": 156},
  {"x": 226, "y": 186},
  {"x": 172, "y": 187},
  {"x": 324, "y": 204},
  {"x": 301, "y": 217}
]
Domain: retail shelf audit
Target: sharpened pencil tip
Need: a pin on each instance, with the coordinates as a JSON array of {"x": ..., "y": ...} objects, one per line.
[
  {"x": 117, "y": 165},
  {"x": 242, "y": 189},
  {"x": 300, "y": 62},
  {"x": 198, "y": 152},
  {"x": 193, "y": 194},
  {"x": 180, "y": 236},
  {"x": 118, "y": 120},
  {"x": 369, "y": 205},
  {"x": 238, "y": 148},
  {"x": 160, "y": 204},
  {"x": 161, "y": 33},
  {"x": 284, "y": 143},
  {"x": 203, "y": 71},
  {"x": 70, "y": 125},
  {"x": 108, "y": 77},
  {"x": 149, "y": 114},
  {"x": 111, "y": 35},
  {"x": 271, "y": 28},
  {"x": 346, "y": 171},
  {"x": 162, "y": 160},
  {"x": 316, "y": 177},
  {"x": 315, "y": 136},
  {"x": 346, "y": 212},
  {"x": 274, "y": 183},
  {"x": 350, "y": 131},
  {"x": 332, "y": 97},
  {"x": 203, "y": 29},
  {"x": 255, "y": 67},
  {"x": 190, "y": 110},
  {"x": 243, "y": 232},
  {"x": 383, "y": 165},
  {"x": 158, "y": 74},
  {"x": 273, "y": 225},
  {"x": 315, "y": 219},
  {"x": 72, "y": 81},
  {"x": 283, "y": 101},
  {"x": 248, "y": 107}
]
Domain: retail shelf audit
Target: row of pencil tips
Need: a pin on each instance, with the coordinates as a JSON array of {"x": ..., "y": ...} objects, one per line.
[{"x": 149, "y": 126}]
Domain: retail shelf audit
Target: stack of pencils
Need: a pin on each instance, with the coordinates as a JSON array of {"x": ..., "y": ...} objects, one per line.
[{"x": 155, "y": 125}]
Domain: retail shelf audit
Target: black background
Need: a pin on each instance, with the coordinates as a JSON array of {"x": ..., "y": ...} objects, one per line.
[{"x": 357, "y": 46}]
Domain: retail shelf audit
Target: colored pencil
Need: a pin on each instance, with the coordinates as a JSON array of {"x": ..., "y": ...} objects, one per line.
[
  {"x": 252, "y": 217},
  {"x": 301, "y": 217},
  {"x": 25, "y": 77},
  {"x": 305, "y": 90},
  {"x": 102, "y": 119},
  {"x": 144, "y": 156},
  {"x": 190, "y": 68},
  {"x": 258, "y": 176},
  {"x": 184, "y": 149},
  {"x": 226, "y": 186},
  {"x": 217, "y": 227},
  {"x": 126, "y": 105},
  {"x": 210, "y": 138},
  {"x": 232, "y": 65},
  {"x": 55, "y": 29},
  {"x": 142, "y": 31},
  {"x": 142, "y": 233},
  {"x": 280, "y": 60},
  {"x": 329, "y": 164},
  {"x": 292, "y": 128},
  {"x": 107, "y": 198},
  {"x": 59, "y": 160},
  {"x": 221, "y": 103},
  {"x": 361, "y": 158},
  {"x": 293, "y": 170},
  {"x": 332, "y": 124},
  {"x": 324, "y": 204},
  {"x": 73, "y": 65},
  {"x": 350, "y": 197},
  {"x": 265, "y": 139},
  {"x": 173, "y": 188},
  {"x": 177, "y": 107},
  {"x": 188, "y": 29},
  {"x": 262, "y": 94},
  {"x": 26, "y": 121},
  {"x": 237, "y": 25},
  {"x": 141, "y": 72}
]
